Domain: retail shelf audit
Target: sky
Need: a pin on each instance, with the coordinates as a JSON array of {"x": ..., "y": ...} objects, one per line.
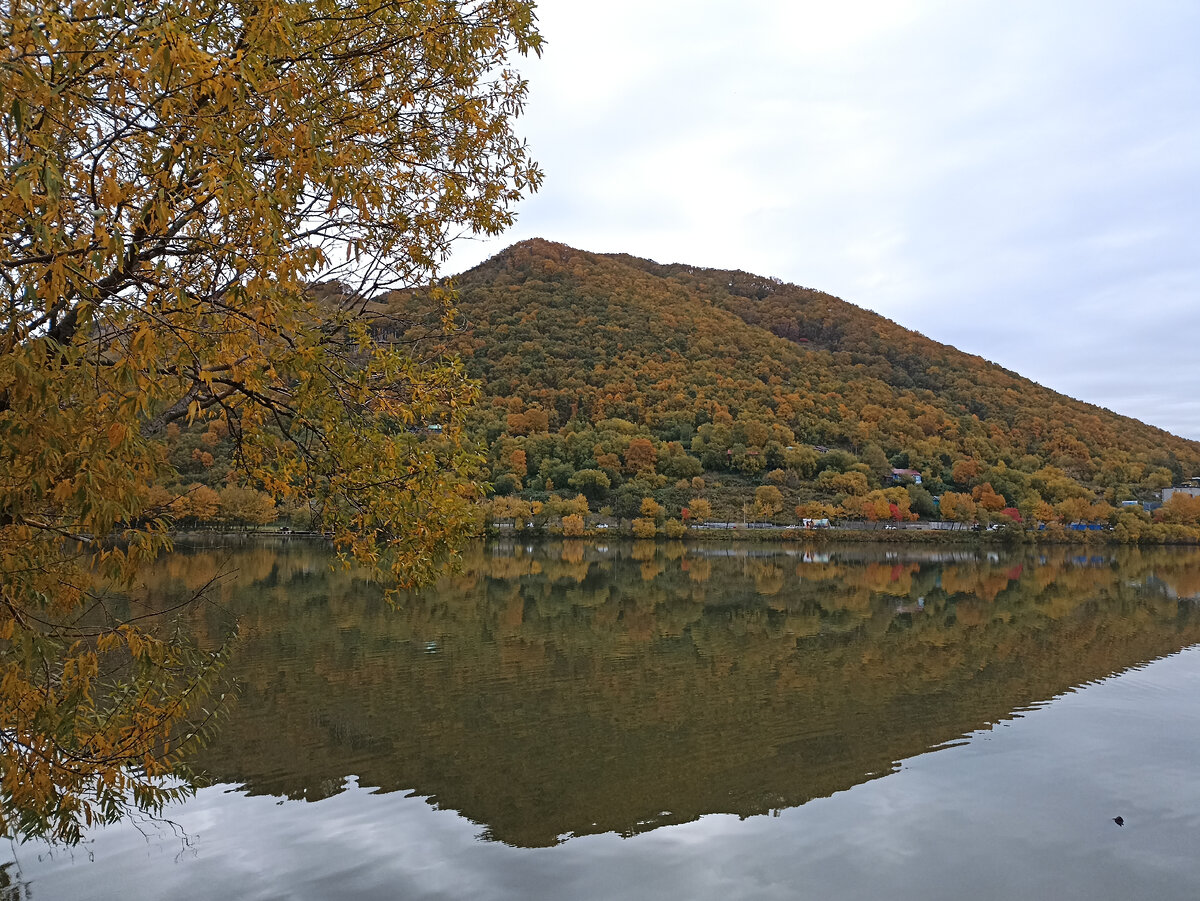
[{"x": 1018, "y": 179}]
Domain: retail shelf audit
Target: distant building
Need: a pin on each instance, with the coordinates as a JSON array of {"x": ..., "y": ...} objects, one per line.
[
  {"x": 1191, "y": 488},
  {"x": 902, "y": 475}
]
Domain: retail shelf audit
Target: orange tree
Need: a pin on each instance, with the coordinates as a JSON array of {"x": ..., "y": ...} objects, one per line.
[{"x": 176, "y": 179}]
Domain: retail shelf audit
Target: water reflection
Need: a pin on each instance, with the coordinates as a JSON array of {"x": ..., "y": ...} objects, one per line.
[{"x": 564, "y": 689}]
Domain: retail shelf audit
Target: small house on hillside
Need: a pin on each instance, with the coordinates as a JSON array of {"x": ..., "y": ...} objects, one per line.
[
  {"x": 1190, "y": 487},
  {"x": 899, "y": 476}
]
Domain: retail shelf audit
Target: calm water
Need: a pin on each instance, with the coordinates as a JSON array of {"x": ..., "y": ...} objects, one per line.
[{"x": 635, "y": 721}]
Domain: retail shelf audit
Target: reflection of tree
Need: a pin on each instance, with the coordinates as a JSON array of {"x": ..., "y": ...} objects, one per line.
[
  {"x": 698, "y": 570},
  {"x": 768, "y": 578},
  {"x": 102, "y": 696},
  {"x": 542, "y": 704},
  {"x": 12, "y": 886},
  {"x": 643, "y": 550}
]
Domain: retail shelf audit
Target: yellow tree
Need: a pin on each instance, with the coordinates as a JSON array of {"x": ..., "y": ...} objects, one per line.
[
  {"x": 247, "y": 506},
  {"x": 651, "y": 509},
  {"x": 816, "y": 510},
  {"x": 176, "y": 179},
  {"x": 199, "y": 504},
  {"x": 644, "y": 527},
  {"x": 1179, "y": 508},
  {"x": 768, "y": 500},
  {"x": 700, "y": 509},
  {"x": 957, "y": 507}
]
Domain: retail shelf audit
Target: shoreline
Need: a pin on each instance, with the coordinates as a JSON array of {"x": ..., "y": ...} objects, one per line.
[{"x": 1000, "y": 537}]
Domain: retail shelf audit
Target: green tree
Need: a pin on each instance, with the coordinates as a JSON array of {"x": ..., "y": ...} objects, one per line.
[
  {"x": 802, "y": 460},
  {"x": 876, "y": 459},
  {"x": 594, "y": 484},
  {"x": 177, "y": 178},
  {"x": 921, "y": 502}
]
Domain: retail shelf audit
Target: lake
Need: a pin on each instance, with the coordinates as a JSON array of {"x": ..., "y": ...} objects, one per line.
[{"x": 577, "y": 720}]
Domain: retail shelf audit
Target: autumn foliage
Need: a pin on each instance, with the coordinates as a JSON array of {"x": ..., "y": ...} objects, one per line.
[
  {"x": 648, "y": 376},
  {"x": 197, "y": 201}
]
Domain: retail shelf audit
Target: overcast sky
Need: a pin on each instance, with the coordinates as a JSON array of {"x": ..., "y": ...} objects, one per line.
[{"x": 1019, "y": 179}]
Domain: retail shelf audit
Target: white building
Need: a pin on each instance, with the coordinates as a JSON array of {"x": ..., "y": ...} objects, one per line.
[{"x": 1191, "y": 489}]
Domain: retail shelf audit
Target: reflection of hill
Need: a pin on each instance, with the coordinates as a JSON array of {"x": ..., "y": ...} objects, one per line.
[{"x": 569, "y": 691}]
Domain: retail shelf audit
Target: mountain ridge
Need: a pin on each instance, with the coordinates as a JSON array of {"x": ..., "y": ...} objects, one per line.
[
  {"x": 744, "y": 377},
  {"x": 748, "y": 286},
  {"x": 769, "y": 285}
]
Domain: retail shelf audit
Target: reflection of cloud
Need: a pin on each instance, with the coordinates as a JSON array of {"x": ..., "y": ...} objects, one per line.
[{"x": 1018, "y": 810}]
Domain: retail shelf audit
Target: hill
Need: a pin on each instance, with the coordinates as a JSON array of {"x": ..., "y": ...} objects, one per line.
[{"x": 622, "y": 378}]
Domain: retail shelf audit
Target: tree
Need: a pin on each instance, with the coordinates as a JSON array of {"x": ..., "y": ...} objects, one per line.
[
  {"x": 177, "y": 180},
  {"x": 564, "y": 506},
  {"x": 644, "y": 528},
  {"x": 246, "y": 507},
  {"x": 802, "y": 460},
  {"x": 651, "y": 509},
  {"x": 882, "y": 504},
  {"x": 816, "y": 510},
  {"x": 517, "y": 463},
  {"x": 921, "y": 501},
  {"x": 199, "y": 504},
  {"x": 640, "y": 456},
  {"x": 514, "y": 508},
  {"x": 627, "y": 503},
  {"x": 506, "y": 483},
  {"x": 768, "y": 500},
  {"x": 1179, "y": 508},
  {"x": 881, "y": 466},
  {"x": 593, "y": 483},
  {"x": 957, "y": 507},
  {"x": 965, "y": 472},
  {"x": 699, "y": 509},
  {"x": 851, "y": 483},
  {"x": 988, "y": 498}
]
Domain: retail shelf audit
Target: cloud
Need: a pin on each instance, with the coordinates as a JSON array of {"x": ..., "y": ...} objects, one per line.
[{"x": 1017, "y": 179}]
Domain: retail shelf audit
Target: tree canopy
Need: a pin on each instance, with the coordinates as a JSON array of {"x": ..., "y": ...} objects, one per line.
[
  {"x": 655, "y": 374},
  {"x": 197, "y": 200}
]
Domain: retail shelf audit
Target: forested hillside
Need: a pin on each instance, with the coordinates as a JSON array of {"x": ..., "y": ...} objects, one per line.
[
  {"x": 621, "y": 379},
  {"x": 667, "y": 393}
]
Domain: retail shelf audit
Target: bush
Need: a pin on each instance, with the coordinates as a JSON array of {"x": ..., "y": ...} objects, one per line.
[{"x": 644, "y": 528}]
